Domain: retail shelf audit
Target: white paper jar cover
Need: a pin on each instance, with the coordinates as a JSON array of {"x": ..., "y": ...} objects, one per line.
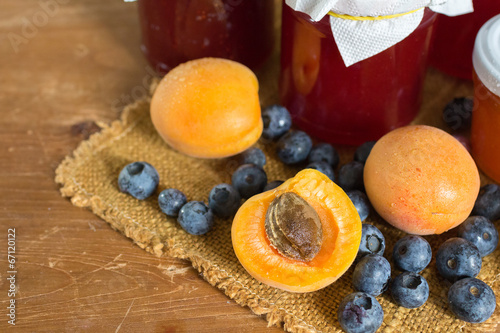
[
  {"x": 360, "y": 39},
  {"x": 486, "y": 55}
]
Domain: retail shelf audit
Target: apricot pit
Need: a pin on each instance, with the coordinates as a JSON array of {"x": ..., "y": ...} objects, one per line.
[{"x": 293, "y": 227}]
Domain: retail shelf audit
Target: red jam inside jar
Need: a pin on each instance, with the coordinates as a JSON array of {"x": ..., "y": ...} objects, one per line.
[
  {"x": 174, "y": 32},
  {"x": 349, "y": 105},
  {"x": 453, "y": 41}
]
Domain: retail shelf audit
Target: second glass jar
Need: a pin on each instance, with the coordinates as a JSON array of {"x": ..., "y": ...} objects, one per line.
[
  {"x": 349, "y": 105},
  {"x": 485, "y": 140},
  {"x": 175, "y": 31},
  {"x": 451, "y": 50}
]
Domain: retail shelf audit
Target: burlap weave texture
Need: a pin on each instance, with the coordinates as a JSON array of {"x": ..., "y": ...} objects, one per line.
[{"x": 89, "y": 178}]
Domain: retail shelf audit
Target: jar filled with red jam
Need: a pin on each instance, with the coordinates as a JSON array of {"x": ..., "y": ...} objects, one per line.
[
  {"x": 349, "y": 105},
  {"x": 175, "y": 31},
  {"x": 485, "y": 138},
  {"x": 453, "y": 41}
]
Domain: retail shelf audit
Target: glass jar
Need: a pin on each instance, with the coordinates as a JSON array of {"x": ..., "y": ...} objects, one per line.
[
  {"x": 349, "y": 105},
  {"x": 174, "y": 31},
  {"x": 453, "y": 40},
  {"x": 485, "y": 138}
]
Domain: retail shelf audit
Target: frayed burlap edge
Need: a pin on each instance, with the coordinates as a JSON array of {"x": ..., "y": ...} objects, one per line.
[{"x": 147, "y": 239}]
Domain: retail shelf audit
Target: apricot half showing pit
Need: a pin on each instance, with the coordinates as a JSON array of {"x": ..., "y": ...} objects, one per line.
[
  {"x": 300, "y": 236},
  {"x": 421, "y": 180},
  {"x": 208, "y": 108}
]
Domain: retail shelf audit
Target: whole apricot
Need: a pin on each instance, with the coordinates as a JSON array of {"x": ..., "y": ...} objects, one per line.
[
  {"x": 208, "y": 108},
  {"x": 421, "y": 180},
  {"x": 301, "y": 236}
]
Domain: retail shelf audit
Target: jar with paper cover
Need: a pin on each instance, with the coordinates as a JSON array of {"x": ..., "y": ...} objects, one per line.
[
  {"x": 352, "y": 71},
  {"x": 486, "y": 116}
]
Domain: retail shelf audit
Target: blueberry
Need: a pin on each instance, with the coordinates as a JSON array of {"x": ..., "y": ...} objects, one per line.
[
  {"x": 351, "y": 176},
  {"x": 457, "y": 114},
  {"x": 171, "y": 201},
  {"x": 254, "y": 156},
  {"x": 277, "y": 121},
  {"x": 481, "y": 232},
  {"x": 372, "y": 241},
  {"x": 272, "y": 185},
  {"x": 324, "y": 168},
  {"x": 139, "y": 179},
  {"x": 410, "y": 290},
  {"x": 361, "y": 202},
  {"x": 471, "y": 300},
  {"x": 412, "y": 253},
  {"x": 324, "y": 152},
  {"x": 488, "y": 202},
  {"x": 360, "y": 313},
  {"x": 457, "y": 259},
  {"x": 224, "y": 200},
  {"x": 372, "y": 274},
  {"x": 249, "y": 180},
  {"x": 464, "y": 140},
  {"x": 294, "y": 147},
  {"x": 196, "y": 218},
  {"x": 362, "y": 152}
]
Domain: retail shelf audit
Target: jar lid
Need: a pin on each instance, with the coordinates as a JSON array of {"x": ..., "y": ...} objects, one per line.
[{"x": 486, "y": 55}]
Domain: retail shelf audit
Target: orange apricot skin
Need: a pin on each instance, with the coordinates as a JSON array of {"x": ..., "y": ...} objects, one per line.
[
  {"x": 421, "y": 180},
  {"x": 341, "y": 236},
  {"x": 208, "y": 108}
]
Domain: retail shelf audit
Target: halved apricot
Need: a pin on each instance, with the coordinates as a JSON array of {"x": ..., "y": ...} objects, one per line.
[{"x": 340, "y": 239}]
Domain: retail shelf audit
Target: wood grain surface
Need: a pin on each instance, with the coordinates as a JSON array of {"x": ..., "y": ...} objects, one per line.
[{"x": 66, "y": 65}]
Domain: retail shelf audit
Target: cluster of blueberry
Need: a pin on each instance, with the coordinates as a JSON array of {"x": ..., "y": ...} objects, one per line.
[
  {"x": 372, "y": 276},
  {"x": 458, "y": 260},
  {"x": 140, "y": 180}
]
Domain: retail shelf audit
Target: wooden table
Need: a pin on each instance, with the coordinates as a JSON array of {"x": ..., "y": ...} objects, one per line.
[{"x": 64, "y": 66}]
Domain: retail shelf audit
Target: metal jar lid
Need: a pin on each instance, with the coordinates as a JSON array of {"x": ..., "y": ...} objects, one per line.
[{"x": 486, "y": 55}]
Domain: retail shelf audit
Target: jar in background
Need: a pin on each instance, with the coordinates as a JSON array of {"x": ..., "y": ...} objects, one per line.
[
  {"x": 485, "y": 138},
  {"x": 453, "y": 40},
  {"x": 349, "y": 105},
  {"x": 175, "y": 31}
]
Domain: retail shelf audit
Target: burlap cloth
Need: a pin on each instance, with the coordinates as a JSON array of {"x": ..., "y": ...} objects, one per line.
[{"x": 89, "y": 178}]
